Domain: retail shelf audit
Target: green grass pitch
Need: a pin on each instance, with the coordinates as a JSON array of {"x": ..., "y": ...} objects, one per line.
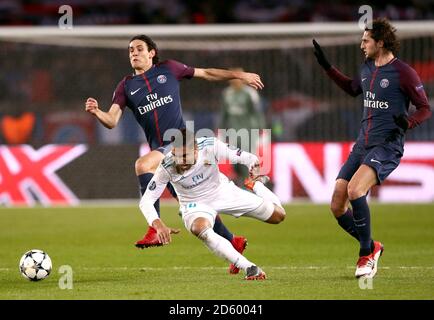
[{"x": 306, "y": 257}]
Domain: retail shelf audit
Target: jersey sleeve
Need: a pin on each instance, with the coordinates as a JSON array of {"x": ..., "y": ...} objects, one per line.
[
  {"x": 179, "y": 69},
  {"x": 153, "y": 192},
  {"x": 350, "y": 86},
  {"x": 233, "y": 154},
  {"x": 413, "y": 88},
  {"x": 119, "y": 96}
]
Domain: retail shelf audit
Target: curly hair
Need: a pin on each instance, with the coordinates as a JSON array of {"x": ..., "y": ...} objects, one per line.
[
  {"x": 383, "y": 30},
  {"x": 151, "y": 45}
]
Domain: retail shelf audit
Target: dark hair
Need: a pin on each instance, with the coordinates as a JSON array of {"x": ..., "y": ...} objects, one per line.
[
  {"x": 150, "y": 43},
  {"x": 183, "y": 138},
  {"x": 383, "y": 30}
]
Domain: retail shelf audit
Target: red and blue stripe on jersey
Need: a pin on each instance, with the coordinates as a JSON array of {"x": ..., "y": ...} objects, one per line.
[{"x": 154, "y": 99}]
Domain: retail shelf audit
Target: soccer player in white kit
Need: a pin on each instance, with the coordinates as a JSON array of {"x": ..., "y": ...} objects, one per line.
[{"x": 203, "y": 192}]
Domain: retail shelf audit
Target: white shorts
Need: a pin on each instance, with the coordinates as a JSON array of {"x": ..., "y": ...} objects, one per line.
[{"x": 229, "y": 200}]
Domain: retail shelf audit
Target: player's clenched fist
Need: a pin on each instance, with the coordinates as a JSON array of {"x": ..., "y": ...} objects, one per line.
[{"x": 91, "y": 105}]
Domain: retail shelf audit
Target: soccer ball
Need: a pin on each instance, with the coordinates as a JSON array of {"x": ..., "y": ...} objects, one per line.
[{"x": 35, "y": 265}]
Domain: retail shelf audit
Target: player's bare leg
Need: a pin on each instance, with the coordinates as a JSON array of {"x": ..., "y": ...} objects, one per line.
[
  {"x": 370, "y": 251},
  {"x": 221, "y": 247},
  {"x": 340, "y": 201},
  {"x": 278, "y": 215},
  {"x": 340, "y": 208}
]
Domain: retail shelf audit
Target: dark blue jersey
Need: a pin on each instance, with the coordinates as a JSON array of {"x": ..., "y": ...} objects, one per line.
[
  {"x": 387, "y": 91},
  {"x": 154, "y": 99}
]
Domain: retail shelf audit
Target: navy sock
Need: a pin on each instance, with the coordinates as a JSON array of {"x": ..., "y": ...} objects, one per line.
[
  {"x": 346, "y": 221},
  {"x": 144, "y": 180},
  {"x": 362, "y": 224},
  {"x": 221, "y": 229}
]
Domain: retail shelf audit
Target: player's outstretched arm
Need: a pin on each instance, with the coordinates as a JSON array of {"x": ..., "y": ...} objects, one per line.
[
  {"x": 235, "y": 155},
  {"x": 320, "y": 56},
  {"x": 211, "y": 74},
  {"x": 108, "y": 119},
  {"x": 350, "y": 86},
  {"x": 153, "y": 192}
]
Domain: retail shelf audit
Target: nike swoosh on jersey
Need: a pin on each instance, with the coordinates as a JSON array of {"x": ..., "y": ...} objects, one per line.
[
  {"x": 364, "y": 79},
  {"x": 134, "y": 92},
  {"x": 373, "y": 160}
]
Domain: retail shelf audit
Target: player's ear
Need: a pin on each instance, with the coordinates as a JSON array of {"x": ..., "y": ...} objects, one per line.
[
  {"x": 151, "y": 53},
  {"x": 380, "y": 43}
]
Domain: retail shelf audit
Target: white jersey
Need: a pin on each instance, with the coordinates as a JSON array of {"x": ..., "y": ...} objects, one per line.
[{"x": 201, "y": 183}]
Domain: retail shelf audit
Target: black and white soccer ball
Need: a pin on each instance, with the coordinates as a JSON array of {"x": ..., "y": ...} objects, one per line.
[{"x": 35, "y": 265}]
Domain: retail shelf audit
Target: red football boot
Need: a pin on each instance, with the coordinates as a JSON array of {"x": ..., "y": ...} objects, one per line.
[
  {"x": 149, "y": 240},
  {"x": 376, "y": 254},
  {"x": 365, "y": 266},
  {"x": 249, "y": 183},
  {"x": 240, "y": 244}
]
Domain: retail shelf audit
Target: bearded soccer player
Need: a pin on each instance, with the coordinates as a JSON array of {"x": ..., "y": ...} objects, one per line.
[
  {"x": 388, "y": 86},
  {"x": 192, "y": 168},
  {"x": 152, "y": 94}
]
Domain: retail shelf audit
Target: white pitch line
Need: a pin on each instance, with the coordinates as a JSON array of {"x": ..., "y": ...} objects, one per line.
[{"x": 224, "y": 268}]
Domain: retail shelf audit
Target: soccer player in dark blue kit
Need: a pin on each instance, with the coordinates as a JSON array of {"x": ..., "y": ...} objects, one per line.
[
  {"x": 388, "y": 86},
  {"x": 152, "y": 94}
]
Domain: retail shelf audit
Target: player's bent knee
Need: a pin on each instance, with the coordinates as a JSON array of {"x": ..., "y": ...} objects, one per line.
[
  {"x": 278, "y": 215},
  {"x": 145, "y": 165},
  {"x": 199, "y": 225},
  {"x": 337, "y": 208},
  {"x": 354, "y": 191}
]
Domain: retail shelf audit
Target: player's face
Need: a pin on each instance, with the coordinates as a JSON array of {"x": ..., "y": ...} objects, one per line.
[
  {"x": 140, "y": 57},
  {"x": 185, "y": 158},
  {"x": 369, "y": 46}
]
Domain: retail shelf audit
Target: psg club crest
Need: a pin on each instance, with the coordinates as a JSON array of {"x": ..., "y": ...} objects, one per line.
[
  {"x": 161, "y": 78},
  {"x": 384, "y": 83},
  {"x": 152, "y": 186}
]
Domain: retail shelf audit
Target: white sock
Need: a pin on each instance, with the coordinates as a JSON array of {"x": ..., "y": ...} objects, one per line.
[
  {"x": 224, "y": 249},
  {"x": 266, "y": 193}
]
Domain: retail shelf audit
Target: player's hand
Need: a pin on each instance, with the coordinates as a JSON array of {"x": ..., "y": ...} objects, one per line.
[
  {"x": 394, "y": 135},
  {"x": 91, "y": 106},
  {"x": 252, "y": 79},
  {"x": 164, "y": 232},
  {"x": 254, "y": 170},
  {"x": 320, "y": 56},
  {"x": 401, "y": 121}
]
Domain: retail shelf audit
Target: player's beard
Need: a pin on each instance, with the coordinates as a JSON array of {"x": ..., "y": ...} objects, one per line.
[{"x": 181, "y": 168}]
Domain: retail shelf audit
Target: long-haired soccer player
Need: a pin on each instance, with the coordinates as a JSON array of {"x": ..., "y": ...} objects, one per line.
[
  {"x": 388, "y": 85},
  {"x": 152, "y": 94}
]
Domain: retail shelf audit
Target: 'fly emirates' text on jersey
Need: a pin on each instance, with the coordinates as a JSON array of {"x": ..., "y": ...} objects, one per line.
[{"x": 154, "y": 99}]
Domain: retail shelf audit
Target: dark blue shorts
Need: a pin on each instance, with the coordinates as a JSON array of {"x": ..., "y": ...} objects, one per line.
[{"x": 383, "y": 158}]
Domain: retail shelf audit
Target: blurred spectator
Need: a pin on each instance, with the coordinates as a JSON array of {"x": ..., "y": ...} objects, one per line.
[
  {"x": 45, "y": 12},
  {"x": 241, "y": 109},
  {"x": 18, "y": 128}
]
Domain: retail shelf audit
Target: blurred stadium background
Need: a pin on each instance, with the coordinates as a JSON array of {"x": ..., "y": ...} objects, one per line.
[{"x": 48, "y": 73}]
